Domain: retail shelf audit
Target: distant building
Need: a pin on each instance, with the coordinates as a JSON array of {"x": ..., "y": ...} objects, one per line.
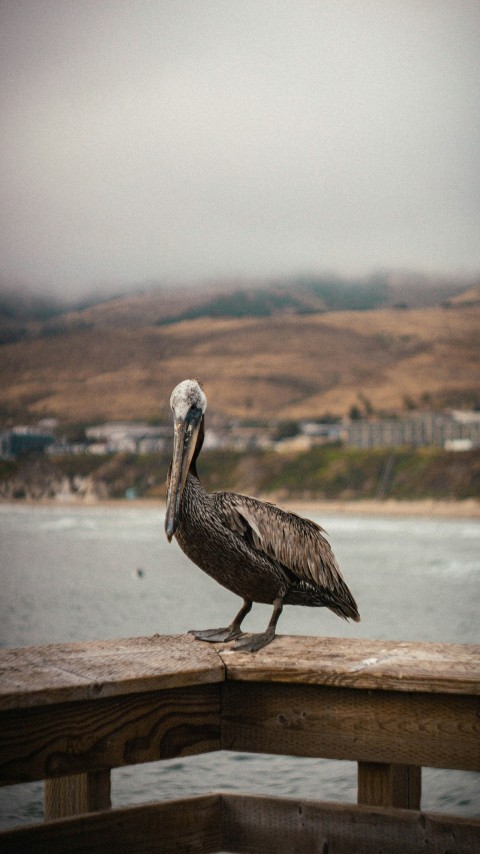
[
  {"x": 5, "y": 446},
  {"x": 215, "y": 440},
  {"x": 63, "y": 448},
  {"x": 455, "y": 431},
  {"x": 320, "y": 431},
  {"x": 294, "y": 444},
  {"x": 237, "y": 437},
  {"x": 24, "y": 440},
  {"x": 126, "y": 436}
]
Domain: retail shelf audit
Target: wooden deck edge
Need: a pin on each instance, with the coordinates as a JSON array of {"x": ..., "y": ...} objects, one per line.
[
  {"x": 32, "y": 677},
  {"x": 282, "y": 825},
  {"x": 172, "y": 827},
  {"x": 37, "y": 676},
  {"x": 402, "y": 666},
  {"x": 244, "y": 823}
]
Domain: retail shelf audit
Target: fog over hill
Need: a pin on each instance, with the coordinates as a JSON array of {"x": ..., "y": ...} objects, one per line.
[{"x": 301, "y": 294}]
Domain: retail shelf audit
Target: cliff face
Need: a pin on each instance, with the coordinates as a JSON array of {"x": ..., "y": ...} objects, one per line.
[{"x": 37, "y": 479}]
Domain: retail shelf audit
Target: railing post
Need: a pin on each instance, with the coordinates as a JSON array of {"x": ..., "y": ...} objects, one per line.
[
  {"x": 389, "y": 785},
  {"x": 77, "y": 793}
]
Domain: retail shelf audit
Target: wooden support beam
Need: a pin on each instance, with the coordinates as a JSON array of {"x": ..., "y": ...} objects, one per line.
[
  {"x": 247, "y": 823},
  {"x": 76, "y": 794},
  {"x": 387, "y": 785},
  {"x": 281, "y": 826},
  {"x": 191, "y": 826},
  {"x": 435, "y": 730},
  {"x": 94, "y": 735}
]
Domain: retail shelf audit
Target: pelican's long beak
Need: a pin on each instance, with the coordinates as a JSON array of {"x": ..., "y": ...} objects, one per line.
[{"x": 184, "y": 442}]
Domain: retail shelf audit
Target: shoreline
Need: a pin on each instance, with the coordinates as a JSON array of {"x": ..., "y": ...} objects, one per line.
[
  {"x": 428, "y": 507},
  {"x": 466, "y": 509}
]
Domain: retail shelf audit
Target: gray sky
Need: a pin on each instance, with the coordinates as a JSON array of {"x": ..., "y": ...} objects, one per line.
[{"x": 186, "y": 139}]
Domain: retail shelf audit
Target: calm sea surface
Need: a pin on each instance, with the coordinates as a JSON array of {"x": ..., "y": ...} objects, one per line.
[{"x": 71, "y": 574}]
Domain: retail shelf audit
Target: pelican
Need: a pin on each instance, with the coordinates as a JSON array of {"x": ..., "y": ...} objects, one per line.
[{"x": 253, "y": 548}]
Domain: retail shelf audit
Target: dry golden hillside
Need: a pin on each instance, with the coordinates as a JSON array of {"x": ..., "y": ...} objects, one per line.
[{"x": 284, "y": 366}]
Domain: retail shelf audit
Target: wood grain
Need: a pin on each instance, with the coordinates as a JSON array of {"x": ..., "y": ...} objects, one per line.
[
  {"x": 357, "y": 663},
  {"x": 348, "y": 723},
  {"x": 246, "y": 823},
  {"x": 37, "y": 676},
  {"x": 91, "y": 735},
  {"x": 382, "y": 785},
  {"x": 77, "y": 794},
  {"x": 192, "y": 826},
  {"x": 284, "y": 826}
]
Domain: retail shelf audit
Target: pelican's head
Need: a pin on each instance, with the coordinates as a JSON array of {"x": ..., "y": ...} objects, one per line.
[
  {"x": 187, "y": 395},
  {"x": 188, "y": 404}
]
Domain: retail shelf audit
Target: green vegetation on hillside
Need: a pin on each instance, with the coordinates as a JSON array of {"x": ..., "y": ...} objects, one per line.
[
  {"x": 300, "y": 296},
  {"x": 333, "y": 472},
  {"x": 348, "y": 295},
  {"x": 327, "y": 472},
  {"x": 242, "y": 303}
]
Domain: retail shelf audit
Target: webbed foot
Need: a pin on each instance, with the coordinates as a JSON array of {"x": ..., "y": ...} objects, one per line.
[
  {"x": 217, "y": 635},
  {"x": 251, "y": 643},
  {"x": 229, "y": 632}
]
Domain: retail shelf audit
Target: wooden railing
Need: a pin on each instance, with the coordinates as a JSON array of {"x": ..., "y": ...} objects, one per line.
[{"x": 69, "y": 713}]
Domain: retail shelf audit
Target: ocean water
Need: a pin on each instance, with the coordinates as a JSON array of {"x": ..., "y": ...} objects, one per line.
[{"x": 72, "y": 574}]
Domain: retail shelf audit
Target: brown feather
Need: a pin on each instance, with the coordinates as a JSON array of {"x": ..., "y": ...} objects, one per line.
[{"x": 296, "y": 543}]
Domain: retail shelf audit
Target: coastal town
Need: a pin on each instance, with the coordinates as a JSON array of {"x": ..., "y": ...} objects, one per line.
[{"x": 456, "y": 430}]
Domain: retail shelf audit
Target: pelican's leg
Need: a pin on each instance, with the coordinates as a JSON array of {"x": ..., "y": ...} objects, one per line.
[
  {"x": 250, "y": 643},
  {"x": 230, "y": 632}
]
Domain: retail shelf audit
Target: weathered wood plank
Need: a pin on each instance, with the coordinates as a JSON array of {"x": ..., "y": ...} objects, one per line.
[
  {"x": 77, "y": 794},
  {"x": 91, "y": 735},
  {"x": 382, "y": 785},
  {"x": 283, "y": 826},
  {"x": 192, "y": 826},
  {"x": 357, "y": 663},
  {"x": 248, "y": 823},
  {"x": 347, "y": 723},
  {"x": 58, "y": 673},
  {"x": 70, "y": 672}
]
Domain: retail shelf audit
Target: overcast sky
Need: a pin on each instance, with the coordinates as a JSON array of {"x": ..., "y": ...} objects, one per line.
[{"x": 188, "y": 139}]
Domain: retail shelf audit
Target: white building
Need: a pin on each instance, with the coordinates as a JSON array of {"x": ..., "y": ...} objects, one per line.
[{"x": 126, "y": 436}]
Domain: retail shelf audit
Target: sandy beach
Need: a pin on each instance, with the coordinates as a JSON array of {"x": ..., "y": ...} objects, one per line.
[{"x": 467, "y": 509}]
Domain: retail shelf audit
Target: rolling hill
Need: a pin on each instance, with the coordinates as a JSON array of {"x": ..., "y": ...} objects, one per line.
[{"x": 117, "y": 361}]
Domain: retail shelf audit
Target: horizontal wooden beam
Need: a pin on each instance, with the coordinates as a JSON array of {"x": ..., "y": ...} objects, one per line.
[
  {"x": 280, "y": 826},
  {"x": 95, "y": 735},
  {"x": 296, "y": 720},
  {"x": 70, "y": 672},
  {"x": 348, "y": 723},
  {"x": 402, "y": 666},
  {"x": 61, "y": 673},
  {"x": 246, "y": 823},
  {"x": 191, "y": 826}
]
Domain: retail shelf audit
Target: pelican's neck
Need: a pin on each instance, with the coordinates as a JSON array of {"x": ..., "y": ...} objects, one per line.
[{"x": 198, "y": 447}]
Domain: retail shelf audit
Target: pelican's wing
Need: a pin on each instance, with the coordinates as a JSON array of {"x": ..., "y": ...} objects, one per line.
[{"x": 296, "y": 543}]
